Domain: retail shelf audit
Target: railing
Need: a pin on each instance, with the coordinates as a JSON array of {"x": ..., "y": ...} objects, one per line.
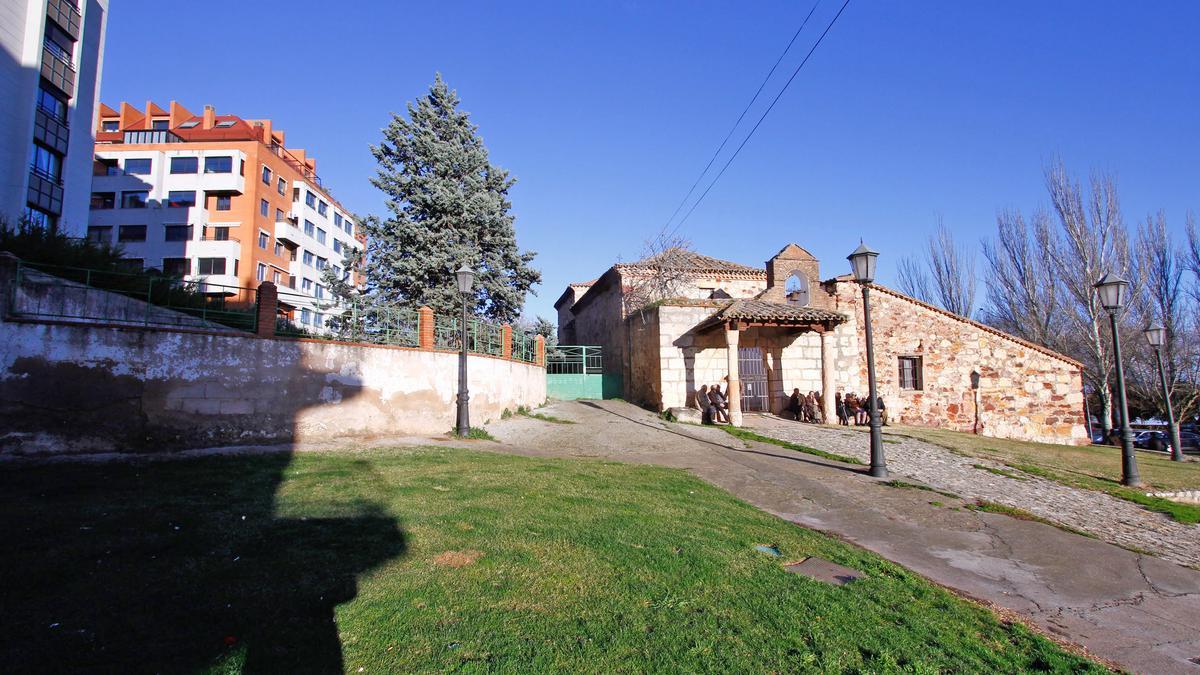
[
  {"x": 110, "y": 296},
  {"x": 57, "y": 51},
  {"x": 574, "y": 360},
  {"x": 42, "y": 173}
]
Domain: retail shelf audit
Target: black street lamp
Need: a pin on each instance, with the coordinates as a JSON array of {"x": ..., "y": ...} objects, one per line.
[
  {"x": 1156, "y": 335},
  {"x": 862, "y": 263},
  {"x": 466, "y": 277},
  {"x": 1111, "y": 290}
]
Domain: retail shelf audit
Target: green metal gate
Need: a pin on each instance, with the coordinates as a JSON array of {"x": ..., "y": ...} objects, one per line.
[{"x": 577, "y": 372}]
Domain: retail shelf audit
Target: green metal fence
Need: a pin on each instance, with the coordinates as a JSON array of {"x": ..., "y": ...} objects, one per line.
[
  {"x": 355, "y": 320},
  {"x": 129, "y": 298},
  {"x": 577, "y": 372}
]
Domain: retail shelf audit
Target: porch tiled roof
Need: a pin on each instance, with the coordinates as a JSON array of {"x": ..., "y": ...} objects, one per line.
[
  {"x": 683, "y": 259},
  {"x": 753, "y": 310}
]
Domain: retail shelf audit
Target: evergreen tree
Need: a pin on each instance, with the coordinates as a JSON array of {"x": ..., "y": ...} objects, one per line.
[{"x": 448, "y": 207}]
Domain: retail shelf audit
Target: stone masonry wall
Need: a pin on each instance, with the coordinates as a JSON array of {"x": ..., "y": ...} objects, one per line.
[
  {"x": 1024, "y": 393},
  {"x": 79, "y": 388}
]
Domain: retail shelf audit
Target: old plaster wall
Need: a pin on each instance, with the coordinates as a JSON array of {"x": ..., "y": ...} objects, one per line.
[
  {"x": 78, "y": 388},
  {"x": 1025, "y": 392}
]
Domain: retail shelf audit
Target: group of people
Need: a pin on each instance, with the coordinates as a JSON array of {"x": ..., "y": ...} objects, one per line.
[
  {"x": 810, "y": 408},
  {"x": 713, "y": 405}
]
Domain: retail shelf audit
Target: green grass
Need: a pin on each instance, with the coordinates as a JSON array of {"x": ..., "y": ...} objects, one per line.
[
  {"x": 747, "y": 435},
  {"x": 917, "y": 486},
  {"x": 546, "y": 418},
  {"x": 1022, "y": 514},
  {"x": 437, "y": 560},
  {"x": 1090, "y": 467},
  {"x": 476, "y": 433},
  {"x": 999, "y": 472}
]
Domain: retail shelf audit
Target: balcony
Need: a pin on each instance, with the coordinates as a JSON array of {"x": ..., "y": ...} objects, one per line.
[
  {"x": 149, "y": 136},
  {"x": 230, "y": 182},
  {"x": 287, "y": 233},
  {"x": 66, "y": 15},
  {"x": 51, "y": 131},
  {"x": 217, "y": 284},
  {"x": 45, "y": 191},
  {"x": 57, "y": 68}
]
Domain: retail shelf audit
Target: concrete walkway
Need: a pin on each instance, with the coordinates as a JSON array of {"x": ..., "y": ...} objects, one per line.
[{"x": 1139, "y": 611}]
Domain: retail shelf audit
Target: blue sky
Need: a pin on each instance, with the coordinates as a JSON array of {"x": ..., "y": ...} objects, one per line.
[{"x": 606, "y": 112}]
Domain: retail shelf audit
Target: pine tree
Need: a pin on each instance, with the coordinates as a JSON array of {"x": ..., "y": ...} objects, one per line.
[{"x": 448, "y": 207}]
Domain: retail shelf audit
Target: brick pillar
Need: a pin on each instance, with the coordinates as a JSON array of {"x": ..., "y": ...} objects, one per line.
[
  {"x": 506, "y": 341},
  {"x": 8, "y": 279},
  {"x": 425, "y": 328},
  {"x": 541, "y": 351},
  {"x": 268, "y": 301}
]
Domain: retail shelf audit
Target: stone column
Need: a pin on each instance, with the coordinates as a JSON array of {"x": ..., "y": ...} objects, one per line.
[
  {"x": 425, "y": 328},
  {"x": 506, "y": 341},
  {"x": 734, "y": 391},
  {"x": 268, "y": 302},
  {"x": 828, "y": 389}
]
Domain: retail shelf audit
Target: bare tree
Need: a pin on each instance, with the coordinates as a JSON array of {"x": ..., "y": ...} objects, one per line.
[
  {"x": 1022, "y": 299},
  {"x": 944, "y": 277},
  {"x": 660, "y": 273}
]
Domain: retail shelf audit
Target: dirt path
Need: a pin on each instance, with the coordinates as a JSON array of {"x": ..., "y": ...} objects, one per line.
[{"x": 1137, "y": 610}]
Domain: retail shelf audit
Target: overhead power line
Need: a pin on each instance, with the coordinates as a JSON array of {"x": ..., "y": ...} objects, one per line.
[
  {"x": 760, "y": 120},
  {"x": 743, "y": 115}
]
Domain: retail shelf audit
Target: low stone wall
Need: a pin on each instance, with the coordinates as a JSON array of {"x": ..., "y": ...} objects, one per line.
[{"x": 85, "y": 388}]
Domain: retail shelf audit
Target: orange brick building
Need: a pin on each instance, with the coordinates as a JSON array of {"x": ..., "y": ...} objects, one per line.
[{"x": 221, "y": 200}]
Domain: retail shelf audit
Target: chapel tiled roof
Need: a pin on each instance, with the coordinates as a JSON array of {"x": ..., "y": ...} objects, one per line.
[
  {"x": 763, "y": 311},
  {"x": 682, "y": 259}
]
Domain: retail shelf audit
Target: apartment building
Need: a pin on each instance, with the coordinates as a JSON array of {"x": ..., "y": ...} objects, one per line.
[
  {"x": 50, "y": 57},
  {"x": 220, "y": 200}
]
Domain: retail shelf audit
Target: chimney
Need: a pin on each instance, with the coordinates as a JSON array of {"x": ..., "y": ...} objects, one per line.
[{"x": 210, "y": 117}]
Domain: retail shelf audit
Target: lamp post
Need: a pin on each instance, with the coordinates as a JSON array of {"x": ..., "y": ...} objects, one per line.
[
  {"x": 1111, "y": 290},
  {"x": 1156, "y": 335},
  {"x": 466, "y": 277},
  {"x": 862, "y": 263}
]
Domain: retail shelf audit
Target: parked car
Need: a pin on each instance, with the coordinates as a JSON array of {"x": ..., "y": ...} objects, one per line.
[
  {"x": 1151, "y": 440},
  {"x": 1190, "y": 441}
]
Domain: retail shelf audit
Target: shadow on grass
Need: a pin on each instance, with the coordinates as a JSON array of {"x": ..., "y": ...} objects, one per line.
[{"x": 176, "y": 566}]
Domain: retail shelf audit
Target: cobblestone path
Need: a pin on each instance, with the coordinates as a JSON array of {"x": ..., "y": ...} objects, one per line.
[{"x": 1108, "y": 518}]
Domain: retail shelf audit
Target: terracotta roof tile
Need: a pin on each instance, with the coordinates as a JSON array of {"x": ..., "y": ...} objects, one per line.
[
  {"x": 761, "y": 310},
  {"x": 683, "y": 259}
]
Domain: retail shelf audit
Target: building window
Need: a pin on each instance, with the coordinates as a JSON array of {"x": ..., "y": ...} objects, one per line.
[
  {"x": 224, "y": 202},
  {"x": 138, "y": 167},
  {"x": 279, "y": 217},
  {"x": 185, "y": 164},
  {"x": 261, "y": 272},
  {"x": 305, "y": 316},
  {"x": 219, "y": 234},
  {"x": 218, "y": 165},
  {"x": 275, "y": 277},
  {"x": 135, "y": 199},
  {"x": 131, "y": 233},
  {"x": 337, "y": 272},
  {"x": 306, "y": 285},
  {"x": 337, "y": 245},
  {"x": 181, "y": 199},
  {"x": 131, "y": 264},
  {"x": 52, "y": 105},
  {"x": 264, "y": 207},
  {"x": 349, "y": 227},
  {"x": 211, "y": 265},
  {"x": 264, "y": 240},
  {"x": 266, "y": 176},
  {"x": 911, "y": 376},
  {"x": 322, "y": 262},
  {"x": 225, "y": 124},
  {"x": 282, "y": 186},
  {"x": 110, "y": 125},
  {"x": 190, "y": 124},
  {"x": 322, "y": 207},
  {"x": 796, "y": 290},
  {"x": 278, "y": 248},
  {"x": 295, "y": 195},
  {"x": 39, "y": 218},
  {"x": 319, "y": 291},
  {"x": 46, "y": 163},
  {"x": 310, "y": 199},
  {"x": 177, "y": 232},
  {"x": 320, "y": 235},
  {"x": 99, "y": 234},
  {"x": 103, "y": 200},
  {"x": 176, "y": 267},
  {"x": 337, "y": 220},
  {"x": 308, "y": 258},
  {"x": 160, "y": 124},
  {"x": 310, "y": 228}
]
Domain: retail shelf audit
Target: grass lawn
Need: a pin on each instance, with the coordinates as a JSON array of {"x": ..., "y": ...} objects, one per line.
[
  {"x": 1094, "y": 467},
  {"x": 436, "y": 560}
]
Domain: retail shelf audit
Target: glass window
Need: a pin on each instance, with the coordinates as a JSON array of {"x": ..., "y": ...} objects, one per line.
[
  {"x": 349, "y": 228},
  {"x": 337, "y": 245},
  {"x": 261, "y": 272},
  {"x": 138, "y": 167},
  {"x": 310, "y": 228},
  {"x": 52, "y": 105},
  {"x": 131, "y": 233},
  {"x": 103, "y": 200},
  {"x": 910, "y": 372},
  {"x": 176, "y": 267},
  {"x": 308, "y": 258},
  {"x": 322, "y": 207},
  {"x": 320, "y": 235},
  {"x": 305, "y": 316},
  {"x": 220, "y": 234},
  {"x": 160, "y": 124},
  {"x": 131, "y": 264},
  {"x": 279, "y": 216},
  {"x": 266, "y": 176},
  {"x": 306, "y": 285},
  {"x": 264, "y": 240},
  {"x": 337, "y": 272},
  {"x": 264, "y": 207},
  {"x": 180, "y": 199},
  {"x": 177, "y": 232},
  {"x": 275, "y": 276},
  {"x": 322, "y": 262},
  {"x": 319, "y": 291},
  {"x": 218, "y": 165},
  {"x": 46, "y": 162},
  {"x": 190, "y": 124},
  {"x": 224, "y": 202},
  {"x": 310, "y": 199},
  {"x": 295, "y": 194},
  {"x": 278, "y": 248},
  {"x": 337, "y": 219},
  {"x": 185, "y": 164},
  {"x": 135, "y": 199},
  {"x": 110, "y": 125},
  {"x": 211, "y": 265},
  {"x": 282, "y": 186},
  {"x": 225, "y": 124},
  {"x": 99, "y": 234}
]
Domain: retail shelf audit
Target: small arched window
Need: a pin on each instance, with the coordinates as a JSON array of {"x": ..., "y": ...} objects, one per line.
[{"x": 796, "y": 290}]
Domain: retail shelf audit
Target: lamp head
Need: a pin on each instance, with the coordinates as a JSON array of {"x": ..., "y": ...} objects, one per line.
[
  {"x": 862, "y": 263},
  {"x": 1112, "y": 290},
  {"x": 466, "y": 278},
  {"x": 1156, "y": 335}
]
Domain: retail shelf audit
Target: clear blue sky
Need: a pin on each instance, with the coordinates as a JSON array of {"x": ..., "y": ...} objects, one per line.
[{"x": 605, "y": 112}]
